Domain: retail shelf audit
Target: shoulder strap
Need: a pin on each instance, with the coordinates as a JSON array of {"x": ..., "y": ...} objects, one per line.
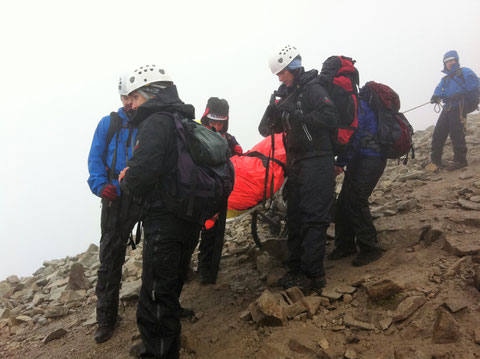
[{"x": 115, "y": 126}]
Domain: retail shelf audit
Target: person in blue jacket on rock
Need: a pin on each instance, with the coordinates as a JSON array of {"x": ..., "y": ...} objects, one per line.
[
  {"x": 365, "y": 164},
  {"x": 458, "y": 91},
  {"x": 112, "y": 145}
]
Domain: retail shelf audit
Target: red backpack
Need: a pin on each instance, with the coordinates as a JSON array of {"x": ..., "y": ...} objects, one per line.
[
  {"x": 341, "y": 79},
  {"x": 394, "y": 131}
]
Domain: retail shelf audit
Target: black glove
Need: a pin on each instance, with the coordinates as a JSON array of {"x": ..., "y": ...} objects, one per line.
[
  {"x": 271, "y": 111},
  {"x": 287, "y": 107},
  {"x": 435, "y": 99}
]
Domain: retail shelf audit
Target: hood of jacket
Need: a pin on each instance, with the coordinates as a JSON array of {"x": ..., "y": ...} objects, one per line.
[
  {"x": 166, "y": 101},
  {"x": 456, "y": 66}
]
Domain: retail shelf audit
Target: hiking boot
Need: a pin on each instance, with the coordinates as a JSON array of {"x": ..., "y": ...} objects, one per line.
[
  {"x": 294, "y": 278},
  {"x": 205, "y": 280},
  {"x": 366, "y": 257},
  {"x": 341, "y": 252},
  {"x": 103, "y": 333},
  {"x": 317, "y": 284},
  {"x": 138, "y": 351},
  {"x": 457, "y": 165},
  {"x": 186, "y": 313}
]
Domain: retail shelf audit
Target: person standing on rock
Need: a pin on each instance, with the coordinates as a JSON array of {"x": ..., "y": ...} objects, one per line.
[
  {"x": 309, "y": 118},
  {"x": 169, "y": 240},
  {"x": 365, "y": 164},
  {"x": 216, "y": 117},
  {"x": 458, "y": 91},
  {"x": 112, "y": 146}
]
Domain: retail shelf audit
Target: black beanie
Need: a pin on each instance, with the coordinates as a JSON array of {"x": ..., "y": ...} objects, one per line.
[{"x": 217, "y": 110}]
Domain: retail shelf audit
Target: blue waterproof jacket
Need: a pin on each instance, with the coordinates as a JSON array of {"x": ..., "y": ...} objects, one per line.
[
  {"x": 100, "y": 158},
  {"x": 364, "y": 140},
  {"x": 455, "y": 84}
]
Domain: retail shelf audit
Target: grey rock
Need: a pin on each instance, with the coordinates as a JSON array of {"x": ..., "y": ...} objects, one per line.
[
  {"x": 462, "y": 246},
  {"x": 12, "y": 280},
  {"x": 466, "y": 204},
  {"x": 130, "y": 290},
  {"x": 92, "y": 248},
  {"x": 382, "y": 289},
  {"x": 354, "y": 323},
  {"x": 56, "y": 334},
  {"x": 407, "y": 307},
  {"x": 331, "y": 294},
  {"x": 406, "y": 206},
  {"x": 4, "y": 313},
  {"x": 77, "y": 279},
  {"x": 56, "y": 312},
  {"x": 445, "y": 329}
]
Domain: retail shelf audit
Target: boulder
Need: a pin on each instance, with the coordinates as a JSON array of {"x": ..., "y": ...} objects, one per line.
[
  {"x": 56, "y": 334},
  {"x": 77, "y": 279},
  {"x": 269, "y": 306},
  {"x": 470, "y": 205},
  {"x": 445, "y": 329},
  {"x": 295, "y": 294},
  {"x": 382, "y": 289},
  {"x": 130, "y": 290},
  {"x": 464, "y": 245},
  {"x": 295, "y": 309},
  {"x": 311, "y": 303},
  {"x": 407, "y": 307},
  {"x": 354, "y": 323}
]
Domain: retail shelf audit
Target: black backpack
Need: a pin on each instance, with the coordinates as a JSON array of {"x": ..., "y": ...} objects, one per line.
[{"x": 203, "y": 178}]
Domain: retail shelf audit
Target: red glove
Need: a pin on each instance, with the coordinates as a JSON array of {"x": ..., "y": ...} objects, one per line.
[
  {"x": 109, "y": 192},
  {"x": 237, "y": 149}
]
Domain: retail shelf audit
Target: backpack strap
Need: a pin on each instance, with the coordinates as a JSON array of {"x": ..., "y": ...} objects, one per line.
[{"x": 113, "y": 129}]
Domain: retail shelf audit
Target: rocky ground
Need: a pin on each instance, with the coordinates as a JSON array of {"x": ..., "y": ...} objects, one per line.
[{"x": 420, "y": 300}]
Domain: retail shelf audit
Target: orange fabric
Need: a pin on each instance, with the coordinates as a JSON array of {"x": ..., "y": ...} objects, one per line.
[{"x": 250, "y": 174}]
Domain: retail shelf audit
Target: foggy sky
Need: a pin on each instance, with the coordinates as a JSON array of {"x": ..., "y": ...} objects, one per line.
[{"x": 61, "y": 60}]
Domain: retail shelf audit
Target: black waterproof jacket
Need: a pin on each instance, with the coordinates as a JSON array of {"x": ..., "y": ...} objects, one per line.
[
  {"x": 155, "y": 152},
  {"x": 311, "y": 134}
]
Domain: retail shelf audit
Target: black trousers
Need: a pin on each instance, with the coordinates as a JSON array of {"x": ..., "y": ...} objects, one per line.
[
  {"x": 117, "y": 221},
  {"x": 449, "y": 124},
  {"x": 310, "y": 187},
  {"x": 168, "y": 246},
  {"x": 352, "y": 217},
  {"x": 211, "y": 246}
]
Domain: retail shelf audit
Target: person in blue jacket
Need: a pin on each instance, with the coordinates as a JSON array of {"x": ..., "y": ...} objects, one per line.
[
  {"x": 365, "y": 164},
  {"x": 458, "y": 91},
  {"x": 120, "y": 212}
]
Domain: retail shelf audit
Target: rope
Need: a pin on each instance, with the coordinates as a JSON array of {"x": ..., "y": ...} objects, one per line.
[
  {"x": 414, "y": 108},
  {"x": 437, "y": 108}
]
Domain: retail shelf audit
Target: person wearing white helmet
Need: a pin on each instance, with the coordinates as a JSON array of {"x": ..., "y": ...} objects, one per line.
[
  {"x": 169, "y": 239},
  {"x": 112, "y": 145},
  {"x": 302, "y": 109}
]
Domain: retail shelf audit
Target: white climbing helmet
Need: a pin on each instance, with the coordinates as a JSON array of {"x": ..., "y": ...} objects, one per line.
[
  {"x": 122, "y": 85},
  {"x": 146, "y": 75},
  {"x": 282, "y": 58}
]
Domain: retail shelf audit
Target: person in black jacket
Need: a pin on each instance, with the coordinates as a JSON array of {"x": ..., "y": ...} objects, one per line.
[
  {"x": 215, "y": 117},
  {"x": 308, "y": 117},
  {"x": 169, "y": 240}
]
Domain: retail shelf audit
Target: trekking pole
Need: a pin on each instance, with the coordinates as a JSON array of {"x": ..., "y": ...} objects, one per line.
[{"x": 414, "y": 108}]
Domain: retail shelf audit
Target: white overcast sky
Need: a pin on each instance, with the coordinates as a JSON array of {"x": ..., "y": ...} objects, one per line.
[{"x": 60, "y": 62}]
